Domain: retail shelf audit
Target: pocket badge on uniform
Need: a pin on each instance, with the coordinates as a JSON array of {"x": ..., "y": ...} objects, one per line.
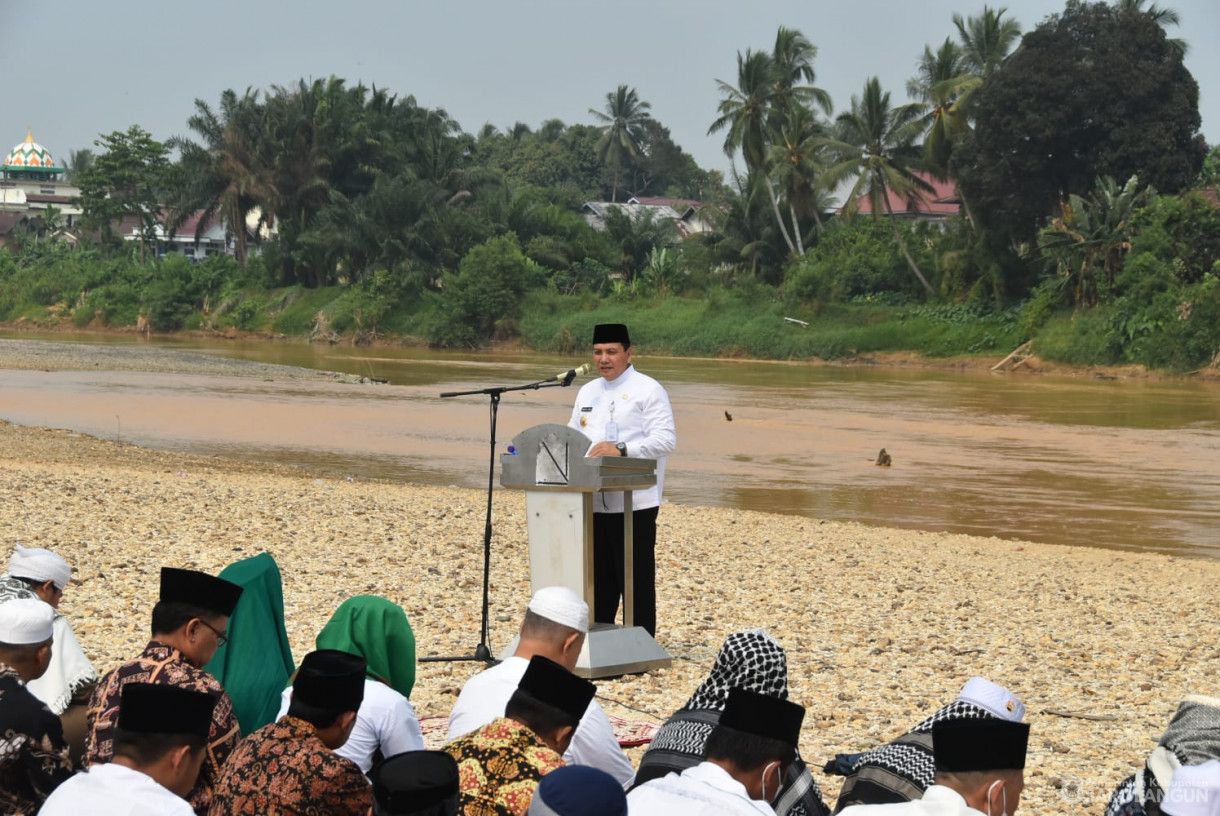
[{"x": 584, "y": 421}]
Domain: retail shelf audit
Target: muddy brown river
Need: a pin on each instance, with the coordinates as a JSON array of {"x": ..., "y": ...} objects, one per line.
[{"x": 1123, "y": 464}]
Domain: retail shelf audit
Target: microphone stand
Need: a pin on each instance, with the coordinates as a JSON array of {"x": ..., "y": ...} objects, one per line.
[{"x": 482, "y": 652}]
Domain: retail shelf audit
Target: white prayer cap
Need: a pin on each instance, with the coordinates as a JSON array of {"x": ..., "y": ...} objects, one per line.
[
  {"x": 25, "y": 620},
  {"x": 561, "y": 605},
  {"x": 1194, "y": 791},
  {"x": 41, "y": 565},
  {"x": 993, "y": 698}
]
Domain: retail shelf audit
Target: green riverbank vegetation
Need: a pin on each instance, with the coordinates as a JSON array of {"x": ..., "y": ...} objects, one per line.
[{"x": 1084, "y": 216}]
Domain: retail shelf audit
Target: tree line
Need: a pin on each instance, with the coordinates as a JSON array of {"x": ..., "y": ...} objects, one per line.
[{"x": 1062, "y": 143}]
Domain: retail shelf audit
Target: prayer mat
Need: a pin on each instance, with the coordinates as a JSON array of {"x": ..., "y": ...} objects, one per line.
[{"x": 629, "y": 733}]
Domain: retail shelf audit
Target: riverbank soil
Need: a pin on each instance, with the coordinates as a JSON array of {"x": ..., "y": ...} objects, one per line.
[{"x": 881, "y": 626}]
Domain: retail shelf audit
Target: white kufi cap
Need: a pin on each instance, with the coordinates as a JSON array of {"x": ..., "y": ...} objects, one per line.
[
  {"x": 993, "y": 698},
  {"x": 41, "y": 565},
  {"x": 561, "y": 605},
  {"x": 25, "y": 620},
  {"x": 1194, "y": 791}
]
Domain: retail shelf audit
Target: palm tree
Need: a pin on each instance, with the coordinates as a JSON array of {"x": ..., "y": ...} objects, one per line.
[
  {"x": 78, "y": 162},
  {"x": 932, "y": 85},
  {"x": 622, "y": 130},
  {"x": 985, "y": 43},
  {"x": 746, "y": 117},
  {"x": 874, "y": 145},
  {"x": 793, "y": 65},
  {"x": 797, "y": 160}
]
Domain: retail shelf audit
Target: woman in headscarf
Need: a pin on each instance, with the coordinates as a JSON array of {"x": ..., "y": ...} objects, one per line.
[
  {"x": 255, "y": 661},
  {"x": 1192, "y": 738},
  {"x": 378, "y": 631},
  {"x": 750, "y": 660}
]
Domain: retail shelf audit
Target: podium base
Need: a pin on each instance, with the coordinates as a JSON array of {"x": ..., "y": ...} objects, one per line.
[{"x": 612, "y": 651}]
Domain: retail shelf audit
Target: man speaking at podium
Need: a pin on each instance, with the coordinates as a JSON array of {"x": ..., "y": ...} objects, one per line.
[{"x": 625, "y": 413}]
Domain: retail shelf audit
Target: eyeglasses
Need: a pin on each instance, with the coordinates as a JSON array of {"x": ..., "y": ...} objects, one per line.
[{"x": 221, "y": 637}]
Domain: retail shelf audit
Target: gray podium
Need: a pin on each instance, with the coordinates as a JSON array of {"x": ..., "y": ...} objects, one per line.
[{"x": 559, "y": 482}]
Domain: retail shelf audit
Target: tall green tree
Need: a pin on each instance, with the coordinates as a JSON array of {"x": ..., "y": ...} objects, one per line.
[
  {"x": 1091, "y": 92},
  {"x": 127, "y": 177},
  {"x": 934, "y": 86},
  {"x": 874, "y": 143},
  {"x": 622, "y": 119}
]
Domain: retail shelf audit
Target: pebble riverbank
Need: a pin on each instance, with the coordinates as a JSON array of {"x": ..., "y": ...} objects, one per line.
[{"x": 881, "y": 626}]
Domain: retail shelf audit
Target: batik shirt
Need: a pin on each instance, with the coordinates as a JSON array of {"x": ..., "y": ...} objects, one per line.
[
  {"x": 284, "y": 768},
  {"x": 165, "y": 665},
  {"x": 33, "y": 753},
  {"x": 499, "y": 768}
]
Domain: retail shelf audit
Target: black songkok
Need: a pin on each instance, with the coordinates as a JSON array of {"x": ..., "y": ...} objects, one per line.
[
  {"x": 754, "y": 713},
  {"x": 417, "y": 783},
  {"x": 548, "y": 682},
  {"x": 611, "y": 333},
  {"x": 332, "y": 680},
  {"x": 199, "y": 589},
  {"x": 154, "y": 708},
  {"x": 959, "y": 746}
]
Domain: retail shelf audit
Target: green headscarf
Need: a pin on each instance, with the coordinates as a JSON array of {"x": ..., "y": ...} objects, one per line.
[
  {"x": 254, "y": 666},
  {"x": 378, "y": 631}
]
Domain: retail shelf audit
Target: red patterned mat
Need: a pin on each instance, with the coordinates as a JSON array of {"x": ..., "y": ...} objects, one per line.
[{"x": 628, "y": 732}]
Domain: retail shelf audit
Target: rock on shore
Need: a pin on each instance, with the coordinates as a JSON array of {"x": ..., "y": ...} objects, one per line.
[{"x": 881, "y": 626}]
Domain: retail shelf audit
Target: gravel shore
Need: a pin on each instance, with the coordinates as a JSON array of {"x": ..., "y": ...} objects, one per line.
[
  {"x": 59, "y": 356},
  {"x": 881, "y": 626}
]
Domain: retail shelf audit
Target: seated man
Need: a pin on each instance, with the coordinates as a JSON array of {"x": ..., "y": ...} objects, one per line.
[
  {"x": 291, "y": 766},
  {"x": 901, "y": 770},
  {"x": 980, "y": 768},
  {"x": 70, "y": 679},
  {"x": 158, "y": 751},
  {"x": 33, "y": 755},
  {"x": 188, "y": 626},
  {"x": 750, "y": 660},
  {"x": 747, "y": 753},
  {"x": 1189, "y": 739},
  {"x": 416, "y": 783},
  {"x": 555, "y": 625},
  {"x": 501, "y": 763}
]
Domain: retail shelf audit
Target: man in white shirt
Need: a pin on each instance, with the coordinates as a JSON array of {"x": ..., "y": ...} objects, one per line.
[
  {"x": 747, "y": 756},
  {"x": 624, "y": 413},
  {"x": 980, "y": 769},
  {"x": 555, "y": 625},
  {"x": 158, "y": 750}
]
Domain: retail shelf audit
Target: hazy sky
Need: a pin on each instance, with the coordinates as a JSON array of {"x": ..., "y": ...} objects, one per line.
[{"x": 77, "y": 68}]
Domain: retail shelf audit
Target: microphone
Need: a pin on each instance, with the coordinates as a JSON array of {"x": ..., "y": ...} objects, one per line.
[{"x": 566, "y": 377}]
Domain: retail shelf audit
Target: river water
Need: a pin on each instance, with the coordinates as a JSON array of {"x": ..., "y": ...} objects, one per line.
[{"x": 1121, "y": 464}]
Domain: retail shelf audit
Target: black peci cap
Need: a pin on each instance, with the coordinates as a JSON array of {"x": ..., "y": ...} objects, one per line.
[
  {"x": 199, "y": 589},
  {"x": 547, "y": 681},
  {"x": 331, "y": 679},
  {"x": 416, "y": 782},
  {"x": 959, "y": 746},
  {"x": 765, "y": 716},
  {"x": 151, "y": 708},
  {"x": 611, "y": 333}
]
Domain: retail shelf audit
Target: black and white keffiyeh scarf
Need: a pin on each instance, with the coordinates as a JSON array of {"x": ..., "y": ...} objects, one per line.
[
  {"x": 1192, "y": 738},
  {"x": 749, "y": 660}
]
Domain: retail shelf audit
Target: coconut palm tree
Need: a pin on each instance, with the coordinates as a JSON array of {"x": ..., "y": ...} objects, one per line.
[
  {"x": 797, "y": 160},
  {"x": 874, "y": 145},
  {"x": 746, "y": 116},
  {"x": 986, "y": 41},
  {"x": 622, "y": 130},
  {"x": 932, "y": 86}
]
